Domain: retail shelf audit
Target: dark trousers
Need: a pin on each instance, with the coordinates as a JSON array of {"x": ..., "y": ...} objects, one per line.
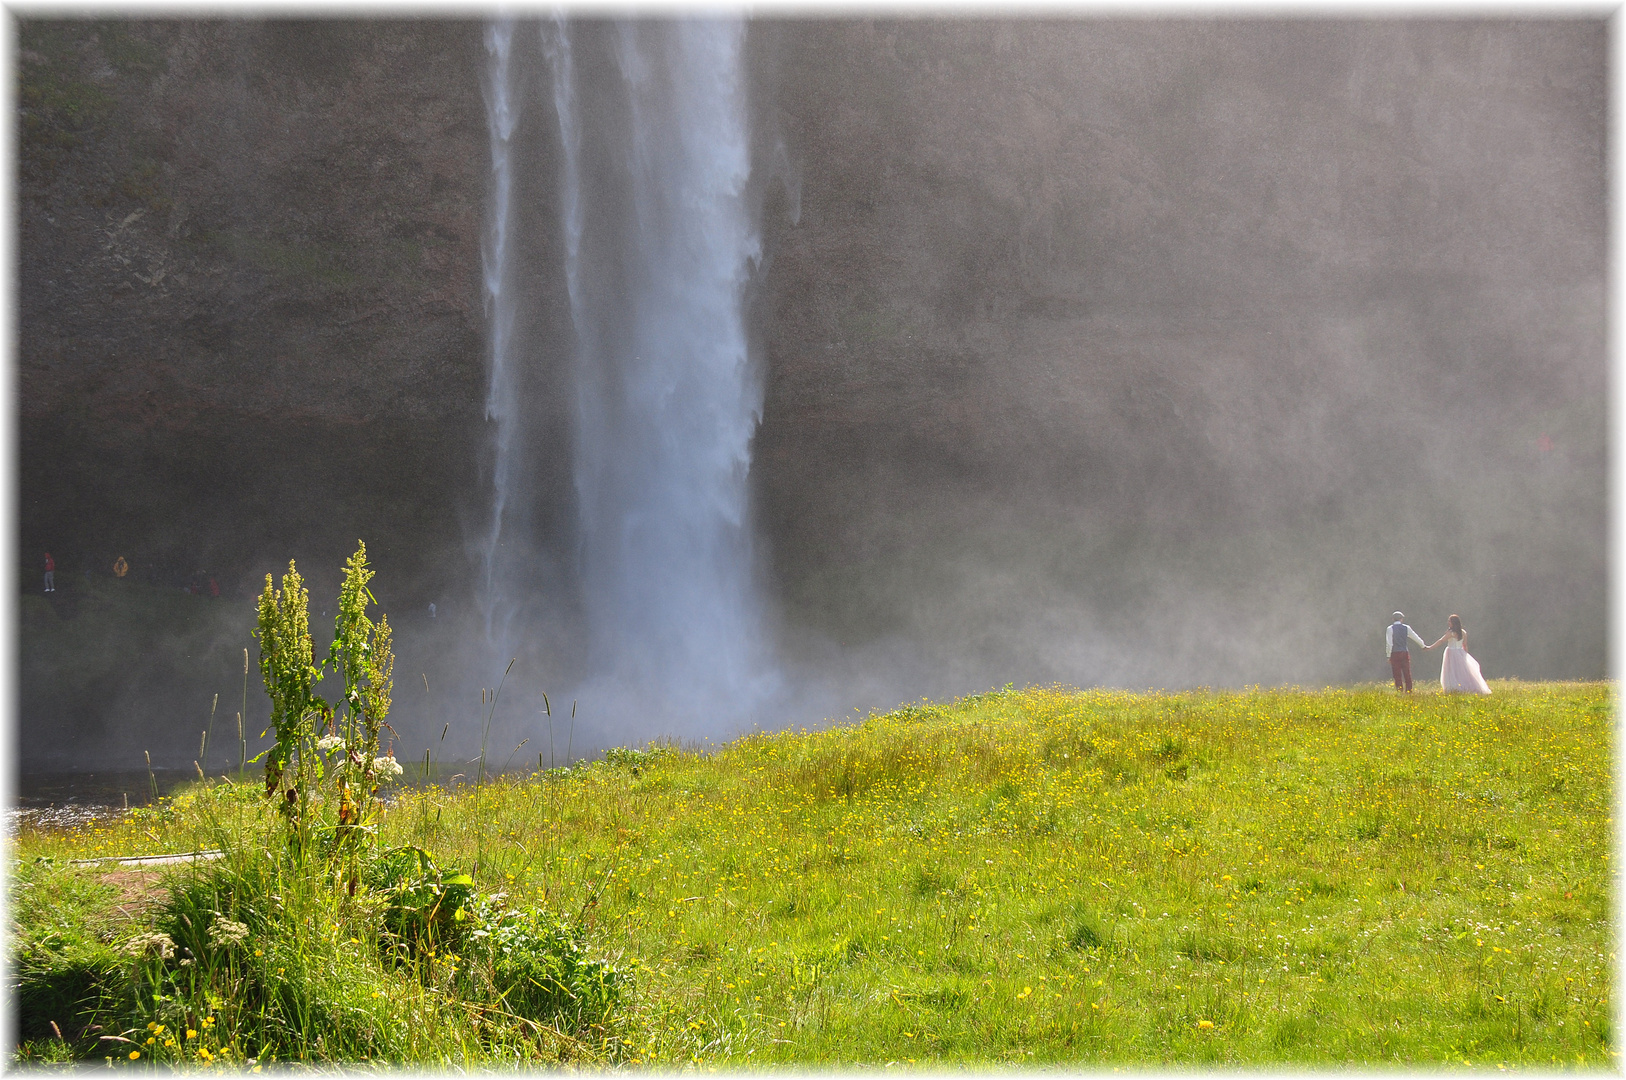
[{"x": 1400, "y": 664}]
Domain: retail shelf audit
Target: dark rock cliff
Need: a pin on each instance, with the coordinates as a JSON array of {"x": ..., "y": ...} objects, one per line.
[
  {"x": 1139, "y": 351},
  {"x": 1162, "y": 350},
  {"x": 249, "y": 292}
]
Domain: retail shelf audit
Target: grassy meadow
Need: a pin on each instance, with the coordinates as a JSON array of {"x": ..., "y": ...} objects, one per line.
[{"x": 1026, "y": 877}]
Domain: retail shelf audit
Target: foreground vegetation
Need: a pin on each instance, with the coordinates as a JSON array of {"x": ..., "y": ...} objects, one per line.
[{"x": 1033, "y": 877}]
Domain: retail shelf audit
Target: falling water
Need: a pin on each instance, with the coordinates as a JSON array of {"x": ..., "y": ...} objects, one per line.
[
  {"x": 501, "y": 398},
  {"x": 658, "y": 245},
  {"x": 562, "y": 71}
]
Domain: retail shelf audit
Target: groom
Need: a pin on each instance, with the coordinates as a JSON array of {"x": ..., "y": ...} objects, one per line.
[{"x": 1396, "y": 638}]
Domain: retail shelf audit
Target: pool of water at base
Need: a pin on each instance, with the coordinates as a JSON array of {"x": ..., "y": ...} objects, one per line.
[{"x": 65, "y": 800}]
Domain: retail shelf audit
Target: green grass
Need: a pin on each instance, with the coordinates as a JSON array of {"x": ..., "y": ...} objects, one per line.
[{"x": 1032, "y": 877}]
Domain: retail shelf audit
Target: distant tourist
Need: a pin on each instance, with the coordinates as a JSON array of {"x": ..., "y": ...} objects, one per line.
[
  {"x": 50, "y": 573},
  {"x": 1396, "y": 638},
  {"x": 120, "y": 567},
  {"x": 431, "y": 610},
  {"x": 214, "y": 588},
  {"x": 1459, "y": 671}
]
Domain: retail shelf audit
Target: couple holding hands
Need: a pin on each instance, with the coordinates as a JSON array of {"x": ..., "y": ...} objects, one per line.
[{"x": 1458, "y": 672}]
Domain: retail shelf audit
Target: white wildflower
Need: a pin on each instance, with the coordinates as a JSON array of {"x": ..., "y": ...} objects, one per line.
[
  {"x": 387, "y": 769},
  {"x": 329, "y": 742},
  {"x": 224, "y": 933},
  {"x": 152, "y": 943}
]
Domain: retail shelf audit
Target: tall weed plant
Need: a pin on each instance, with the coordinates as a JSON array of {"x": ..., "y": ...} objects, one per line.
[{"x": 325, "y": 754}]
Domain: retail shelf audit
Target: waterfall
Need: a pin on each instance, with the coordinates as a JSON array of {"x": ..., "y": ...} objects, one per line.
[
  {"x": 562, "y": 71},
  {"x": 658, "y": 244},
  {"x": 501, "y": 397}
]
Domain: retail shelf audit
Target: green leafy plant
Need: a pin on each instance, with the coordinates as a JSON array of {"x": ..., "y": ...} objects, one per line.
[
  {"x": 317, "y": 744},
  {"x": 293, "y": 766},
  {"x": 362, "y": 656},
  {"x": 537, "y": 966},
  {"x": 628, "y": 758},
  {"x": 424, "y": 907}
]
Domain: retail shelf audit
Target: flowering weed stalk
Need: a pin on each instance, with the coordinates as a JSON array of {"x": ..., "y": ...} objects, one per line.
[
  {"x": 293, "y": 767},
  {"x": 361, "y": 654},
  {"x": 317, "y": 745}
]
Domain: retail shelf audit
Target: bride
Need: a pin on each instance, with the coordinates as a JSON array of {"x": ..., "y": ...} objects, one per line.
[{"x": 1459, "y": 670}]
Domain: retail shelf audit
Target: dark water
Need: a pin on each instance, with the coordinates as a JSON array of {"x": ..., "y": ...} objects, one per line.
[
  {"x": 65, "y": 799},
  {"x": 104, "y": 789}
]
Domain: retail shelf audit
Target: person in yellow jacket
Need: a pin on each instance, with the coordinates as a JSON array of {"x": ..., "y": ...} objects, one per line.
[{"x": 120, "y": 567}]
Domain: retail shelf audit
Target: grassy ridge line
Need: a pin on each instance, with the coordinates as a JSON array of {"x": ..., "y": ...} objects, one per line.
[{"x": 1056, "y": 876}]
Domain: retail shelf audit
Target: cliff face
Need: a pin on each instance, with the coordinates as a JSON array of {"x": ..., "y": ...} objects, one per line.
[
  {"x": 1123, "y": 351},
  {"x": 249, "y": 290},
  {"x": 1141, "y": 348}
]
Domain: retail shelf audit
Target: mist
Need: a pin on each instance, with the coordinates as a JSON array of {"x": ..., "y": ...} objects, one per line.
[{"x": 729, "y": 376}]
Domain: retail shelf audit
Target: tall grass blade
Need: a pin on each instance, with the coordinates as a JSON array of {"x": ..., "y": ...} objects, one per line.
[
  {"x": 570, "y": 739},
  {"x": 203, "y": 751},
  {"x": 242, "y": 738}
]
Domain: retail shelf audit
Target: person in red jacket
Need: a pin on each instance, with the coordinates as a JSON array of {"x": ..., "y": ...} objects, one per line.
[{"x": 50, "y": 573}]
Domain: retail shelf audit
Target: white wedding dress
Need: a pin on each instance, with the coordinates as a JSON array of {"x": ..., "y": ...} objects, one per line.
[{"x": 1459, "y": 671}]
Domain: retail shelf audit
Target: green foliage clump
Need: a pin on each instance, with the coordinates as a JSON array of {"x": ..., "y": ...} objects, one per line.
[
  {"x": 288, "y": 668},
  {"x": 316, "y": 744},
  {"x": 321, "y": 947},
  {"x": 537, "y": 967},
  {"x": 361, "y": 654},
  {"x": 425, "y": 908},
  {"x": 624, "y": 757},
  {"x": 251, "y": 959}
]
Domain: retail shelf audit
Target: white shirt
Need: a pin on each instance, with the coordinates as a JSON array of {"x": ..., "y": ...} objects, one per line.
[{"x": 1389, "y": 634}]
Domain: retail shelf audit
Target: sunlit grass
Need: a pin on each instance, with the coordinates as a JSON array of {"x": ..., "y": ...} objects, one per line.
[{"x": 1052, "y": 876}]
